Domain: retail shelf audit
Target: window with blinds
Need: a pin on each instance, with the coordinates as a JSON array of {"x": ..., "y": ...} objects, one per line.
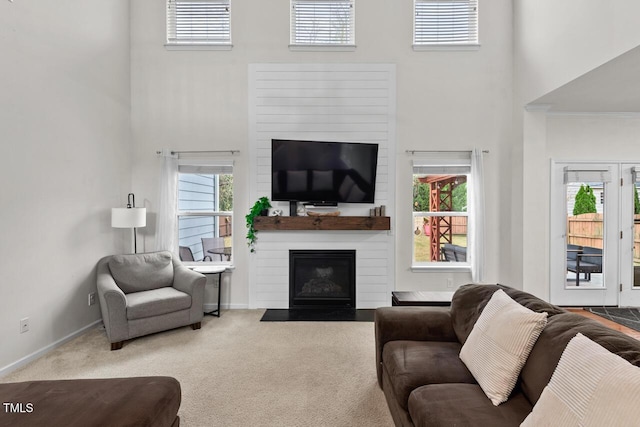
[
  {"x": 323, "y": 22},
  {"x": 445, "y": 22},
  {"x": 199, "y": 22}
]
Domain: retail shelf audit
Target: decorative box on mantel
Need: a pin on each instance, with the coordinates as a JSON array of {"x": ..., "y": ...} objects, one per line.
[{"x": 282, "y": 223}]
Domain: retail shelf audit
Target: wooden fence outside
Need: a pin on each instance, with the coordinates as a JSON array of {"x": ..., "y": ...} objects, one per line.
[
  {"x": 587, "y": 230},
  {"x": 458, "y": 224},
  {"x": 224, "y": 228}
]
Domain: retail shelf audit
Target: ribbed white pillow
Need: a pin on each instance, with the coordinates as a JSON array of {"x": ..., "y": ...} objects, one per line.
[
  {"x": 499, "y": 344},
  {"x": 590, "y": 387}
]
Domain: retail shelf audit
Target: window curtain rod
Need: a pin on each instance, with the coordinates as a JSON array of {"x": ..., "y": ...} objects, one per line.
[
  {"x": 412, "y": 152},
  {"x": 173, "y": 152}
]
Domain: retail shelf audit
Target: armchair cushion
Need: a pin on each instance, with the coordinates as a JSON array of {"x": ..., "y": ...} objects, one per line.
[
  {"x": 142, "y": 272},
  {"x": 156, "y": 302}
]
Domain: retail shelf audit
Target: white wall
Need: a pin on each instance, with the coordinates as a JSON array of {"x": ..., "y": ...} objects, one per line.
[
  {"x": 453, "y": 100},
  {"x": 64, "y": 127},
  {"x": 614, "y": 137},
  {"x": 558, "y": 41}
]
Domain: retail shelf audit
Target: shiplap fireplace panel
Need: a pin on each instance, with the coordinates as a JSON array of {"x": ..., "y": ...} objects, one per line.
[{"x": 325, "y": 102}]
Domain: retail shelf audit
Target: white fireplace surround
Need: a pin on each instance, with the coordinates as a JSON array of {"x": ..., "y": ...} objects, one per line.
[{"x": 326, "y": 102}]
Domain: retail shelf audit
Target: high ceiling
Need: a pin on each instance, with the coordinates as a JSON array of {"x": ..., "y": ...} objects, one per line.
[{"x": 611, "y": 88}]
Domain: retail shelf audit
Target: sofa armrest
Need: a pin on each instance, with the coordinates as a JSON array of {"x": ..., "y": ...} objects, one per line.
[
  {"x": 192, "y": 283},
  {"x": 411, "y": 324},
  {"x": 113, "y": 304}
]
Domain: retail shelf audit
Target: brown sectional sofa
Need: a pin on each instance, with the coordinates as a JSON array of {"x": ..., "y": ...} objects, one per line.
[
  {"x": 425, "y": 382},
  {"x": 122, "y": 402}
]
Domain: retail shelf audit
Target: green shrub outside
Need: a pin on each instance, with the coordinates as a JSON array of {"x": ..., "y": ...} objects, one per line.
[{"x": 585, "y": 201}]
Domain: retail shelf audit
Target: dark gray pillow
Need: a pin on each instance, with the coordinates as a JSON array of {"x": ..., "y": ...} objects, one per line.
[{"x": 142, "y": 272}]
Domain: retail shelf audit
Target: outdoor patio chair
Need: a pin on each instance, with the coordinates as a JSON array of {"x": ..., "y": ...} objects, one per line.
[
  {"x": 448, "y": 252},
  {"x": 212, "y": 245},
  {"x": 186, "y": 254},
  {"x": 585, "y": 260}
]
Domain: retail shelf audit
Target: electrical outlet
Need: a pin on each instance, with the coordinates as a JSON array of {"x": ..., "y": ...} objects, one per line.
[
  {"x": 449, "y": 283},
  {"x": 92, "y": 298},
  {"x": 24, "y": 325}
]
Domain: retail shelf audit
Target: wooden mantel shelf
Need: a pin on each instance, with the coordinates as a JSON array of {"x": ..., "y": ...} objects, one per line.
[{"x": 265, "y": 223}]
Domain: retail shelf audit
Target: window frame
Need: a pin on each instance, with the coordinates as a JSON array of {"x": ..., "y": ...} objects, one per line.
[
  {"x": 471, "y": 43},
  {"x": 444, "y": 163},
  {"x": 175, "y": 42},
  {"x": 195, "y": 167},
  {"x": 295, "y": 45}
]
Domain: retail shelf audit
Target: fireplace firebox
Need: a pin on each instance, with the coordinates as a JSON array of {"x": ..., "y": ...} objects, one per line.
[{"x": 322, "y": 279}]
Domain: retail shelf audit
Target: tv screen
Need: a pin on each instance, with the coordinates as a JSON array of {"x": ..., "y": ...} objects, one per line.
[{"x": 319, "y": 171}]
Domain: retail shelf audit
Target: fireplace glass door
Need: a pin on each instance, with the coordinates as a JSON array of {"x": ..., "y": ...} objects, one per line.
[{"x": 321, "y": 278}]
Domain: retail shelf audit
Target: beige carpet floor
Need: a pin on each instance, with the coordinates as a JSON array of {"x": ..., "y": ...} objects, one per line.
[{"x": 238, "y": 371}]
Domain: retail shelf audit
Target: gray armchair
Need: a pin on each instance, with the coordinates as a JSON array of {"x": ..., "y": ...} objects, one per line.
[{"x": 145, "y": 293}]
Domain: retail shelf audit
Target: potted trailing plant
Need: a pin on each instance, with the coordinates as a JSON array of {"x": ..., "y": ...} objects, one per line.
[{"x": 260, "y": 208}]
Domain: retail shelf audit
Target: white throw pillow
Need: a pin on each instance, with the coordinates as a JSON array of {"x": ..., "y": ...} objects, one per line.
[
  {"x": 590, "y": 387},
  {"x": 499, "y": 344}
]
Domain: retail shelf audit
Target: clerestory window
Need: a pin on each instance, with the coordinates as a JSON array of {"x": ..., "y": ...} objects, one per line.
[
  {"x": 198, "y": 24},
  {"x": 323, "y": 23},
  {"x": 445, "y": 23}
]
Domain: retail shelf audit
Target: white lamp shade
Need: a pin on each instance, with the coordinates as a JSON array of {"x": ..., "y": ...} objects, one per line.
[{"x": 128, "y": 217}]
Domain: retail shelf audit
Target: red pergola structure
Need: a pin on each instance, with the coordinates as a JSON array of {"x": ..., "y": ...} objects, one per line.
[{"x": 441, "y": 200}]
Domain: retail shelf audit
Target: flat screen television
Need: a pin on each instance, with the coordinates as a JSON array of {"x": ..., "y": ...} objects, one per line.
[{"x": 323, "y": 172}]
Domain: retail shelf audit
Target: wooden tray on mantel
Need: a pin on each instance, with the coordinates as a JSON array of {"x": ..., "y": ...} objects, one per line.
[{"x": 274, "y": 223}]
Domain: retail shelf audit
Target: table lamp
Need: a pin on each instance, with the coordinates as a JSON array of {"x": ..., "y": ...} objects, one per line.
[{"x": 129, "y": 217}]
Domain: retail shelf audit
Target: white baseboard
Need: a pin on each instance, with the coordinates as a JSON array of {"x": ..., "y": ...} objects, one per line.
[
  {"x": 39, "y": 353},
  {"x": 210, "y": 307}
]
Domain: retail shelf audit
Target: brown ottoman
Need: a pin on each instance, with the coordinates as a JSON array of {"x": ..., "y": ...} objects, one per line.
[{"x": 137, "y": 401}]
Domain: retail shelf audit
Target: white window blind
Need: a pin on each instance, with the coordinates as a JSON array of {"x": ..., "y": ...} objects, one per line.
[
  {"x": 443, "y": 162},
  {"x": 586, "y": 175},
  {"x": 198, "y": 22},
  {"x": 445, "y": 22},
  {"x": 442, "y": 170},
  {"x": 456, "y": 164},
  {"x": 322, "y": 22},
  {"x": 220, "y": 169}
]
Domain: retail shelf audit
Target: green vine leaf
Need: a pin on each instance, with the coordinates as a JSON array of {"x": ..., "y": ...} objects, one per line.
[{"x": 257, "y": 209}]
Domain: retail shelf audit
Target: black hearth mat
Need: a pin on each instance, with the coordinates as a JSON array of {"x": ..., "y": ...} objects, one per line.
[
  {"x": 318, "y": 315},
  {"x": 629, "y": 317}
]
